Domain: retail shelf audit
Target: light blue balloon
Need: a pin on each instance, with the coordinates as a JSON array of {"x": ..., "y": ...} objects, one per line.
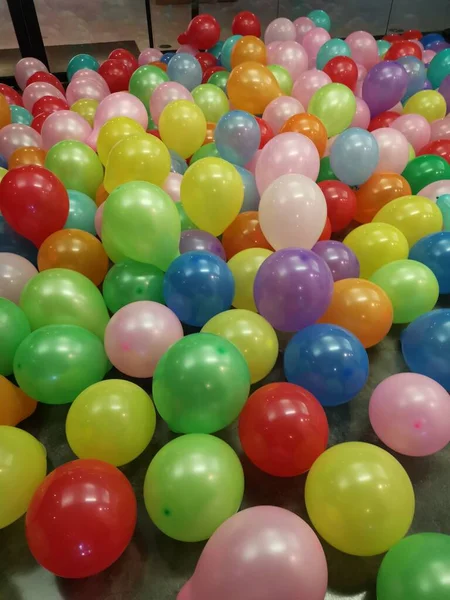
[
  {"x": 354, "y": 156},
  {"x": 185, "y": 69},
  {"x": 320, "y": 19},
  {"x": 251, "y": 194},
  {"x": 19, "y": 114},
  {"x": 217, "y": 49},
  {"x": 82, "y": 211},
  {"x": 417, "y": 75},
  {"x": 332, "y": 48},
  {"x": 81, "y": 61},
  {"x": 237, "y": 137},
  {"x": 383, "y": 47},
  {"x": 227, "y": 49},
  {"x": 443, "y": 203},
  {"x": 177, "y": 163}
]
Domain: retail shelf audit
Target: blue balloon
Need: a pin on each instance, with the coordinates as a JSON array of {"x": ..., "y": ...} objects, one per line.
[
  {"x": 431, "y": 38},
  {"x": 19, "y": 114},
  {"x": 81, "y": 61},
  {"x": 185, "y": 69},
  {"x": 237, "y": 136},
  {"x": 251, "y": 194},
  {"x": 320, "y": 19},
  {"x": 166, "y": 57},
  {"x": 434, "y": 252},
  {"x": 82, "y": 211},
  {"x": 3, "y": 162},
  {"x": 332, "y": 48},
  {"x": 10, "y": 241},
  {"x": 354, "y": 156},
  {"x": 227, "y": 49},
  {"x": 197, "y": 286},
  {"x": 177, "y": 163},
  {"x": 328, "y": 361},
  {"x": 426, "y": 346},
  {"x": 383, "y": 47},
  {"x": 417, "y": 75},
  {"x": 443, "y": 203}
]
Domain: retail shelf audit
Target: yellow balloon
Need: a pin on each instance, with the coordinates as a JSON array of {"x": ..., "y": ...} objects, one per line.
[
  {"x": 244, "y": 265},
  {"x": 2, "y": 172},
  {"x": 414, "y": 216},
  {"x": 252, "y": 335},
  {"x": 375, "y": 245},
  {"x": 23, "y": 465},
  {"x": 113, "y": 420},
  {"x": 212, "y": 193},
  {"x": 359, "y": 498},
  {"x": 428, "y": 103},
  {"x": 113, "y": 131},
  {"x": 182, "y": 127},
  {"x": 86, "y": 108},
  {"x": 412, "y": 153},
  {"x": 137, "y": 158}
]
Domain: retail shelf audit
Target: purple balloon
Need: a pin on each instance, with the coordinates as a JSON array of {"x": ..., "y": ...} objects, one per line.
[
  {"x": 438, "y": 46},
  {"x": 444, "y": 89},
  {"x": 340, "y": 259},
  {"x": 385, "y": 85},
  {"x": 293, "y": 288},
  {"x": 427, "y": 85},
  {"x": 196, "y": 239}
]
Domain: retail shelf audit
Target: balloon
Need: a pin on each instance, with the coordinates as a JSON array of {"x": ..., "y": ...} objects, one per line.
[
  {"x": 244, "y": 232},
  {"x": 81, "y": 61},
  {"x": 384, "y": 119},
  {"x": 86, "y": 87},
  {"x": 184, "y": 69},
  {"x": 359, "y": 498},
  {"x": 184, "y": 368},
  {"x": 341, "y": 261},
  {"x": 251, "y": 87},
  {"x": 313, "y": 41},
  {"x": 424, "y": 170},
  {"x": 205, "y": 151},
  {"x": 64, "y": 125},
  {"x": 11, "y": 95},
  {"x": 28, "y": 155},
  {"x": 196, "y": 239},
  {"x": 290, "y": 55},
  {"x": 202, "y": 32},
  {"x": 177, "y": 163},
  {"x": 280, "y": 30},
  {"x": 378, "y": 191},
  {"x": 145, "y": 80},
  {"x": 363, "y": 47},
  {"x": 325, "y": 171},
  {"x": 439, "y": 68},
  {"x": 433, "y": 251},
  {"x": 126, "y": 57},
  {"x": 444, "y": 90},
  {"x": 393, "y": 150},
  {"x": 283, "y": 78},
  {"x": 427, "y": 57},
  {"x": 19, "y": 114},
  {"x": 435, "y": 190},
  {"x": 227, "y": 51},
  {"x": 251, "y": 194},
  {"x": 330, "y": 49},
  {"x": 416, "y": 74},
  {"x": 25, "y": 68},
  {"x": 149, "y": 55},
  {"x": 16, "y": 406},
  {"x": 341, "y": 203},
  {"x": 244, "y": 265},
  {"x": 131, "y": 281},
  {"x": 401, "y": 49},
  {"x": 15, "y": 272},
  {"x": 309, "y": 126},
  {"x": 415, "y": 128},
  {"x": 38, "y": 90},
  {"x": 246, "y": 23},
  {"x": 14, "y": 328},
  {"x": 81, "y": 212},
  {"x": 354, "y": 156},
  {"x": 212, "y": 101},
  {"x": 172, "y": 186},
  {"x": 428, "y": 103},
  {"x": 220, "y": 79},
  {"x": 320, "y": 18},
  {"x": 248, "y": 48},
  {"x": 439, "y": 147},
  {"x": 206, "y": 60},
  {"x": 443, "y": 204},
  {"x": 114, "y": 131},
  {"x": 116, "y": 74},
  {"x": 182, "y": 126},
  {"x": 335, "y": 105},
  {"x": 5, "y": 112},
  {"x": 308, "y": 83},
  {"x": 165, "y": 93},
  {"x": 121, "y": 104},
  {"x": 302, "y": 26},
  {"x": 280, "y": 110},
  {"x": 287, "y": 270},
  {"x": 385, "y": 84},
  {"x": 237, "y": 137},
  {"x": 16, "y": 136},
  {"x": 342, "y": 69}
]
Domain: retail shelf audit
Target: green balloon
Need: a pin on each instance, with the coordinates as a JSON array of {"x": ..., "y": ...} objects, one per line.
[
  {"x": 193, "y": 484},
  {"x": 57, "y": 362},
  {"x": 140, "y": 221},
  {"x": 425, "y": 169},
  {"x": 201, "y": 384},
  {"x": 185, "y": 221},
  {"x": 211, "y": 100},
  {"x": 14, "y": 328},
  {"x": 220, "y": 79},
  {"x": 76, "y": 165},
  {"x": 283, "y": 77},
  {"x": 64, "y": 297},
  {"x": 131, "y": 281},
  {"x": 82, "y": 211},
  {"x": 204, "y": 152},
  {"x": 439, "y": 68},
  {"x": 411, "y": 286},
  {"x": 326, "y": 172},
  {"x": 144, "y": 82},
  {"x": 335, "y": 105},
  {"x": 416, "y": 568}
]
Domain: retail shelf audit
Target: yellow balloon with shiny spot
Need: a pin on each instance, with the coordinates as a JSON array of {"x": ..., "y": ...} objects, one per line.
[
  {"x": 182, "y": 127},
  {"x": 113, "y": 131},
  {"x": 244, "y": 265},
  {"x": 86, "y": 108},
  {"x": 427, "y": 103}
]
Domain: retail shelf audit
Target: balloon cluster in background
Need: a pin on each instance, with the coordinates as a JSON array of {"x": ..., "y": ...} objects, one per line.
[{"x": 197, "y": 191}]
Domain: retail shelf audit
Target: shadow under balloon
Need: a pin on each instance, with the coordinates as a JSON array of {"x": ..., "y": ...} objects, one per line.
[{"x": 12, "y": 242}]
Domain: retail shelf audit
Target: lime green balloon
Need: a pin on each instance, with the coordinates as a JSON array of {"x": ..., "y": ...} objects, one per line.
[
  {"x": 204, "y": 152},
  {"x": 76, "y": 165},
  {"x": 201, "y": 384},
  {"x": 140, "y": 221},
  {"x": 412, "y": 154},
  {"x": 220, "y": 79},
  {"x": 144, "y": 82},
  {"x": 64, "y": 297},
  {"x": 283, "y": 77},
  {"x": 57, "y": 362},
  {"x": 212, "y": 101},
  {"x": 326, "y": 172},
  {"x": 425, "y": 169},
  {"x": 335, "y": 105},
  {"x": 131, "y": 281},
  {"x": 193, "y": 484},
  {"x": 185, "y": 221},
  {"x": 411, "y": 286},
  {"x": 14, "y": 328}
]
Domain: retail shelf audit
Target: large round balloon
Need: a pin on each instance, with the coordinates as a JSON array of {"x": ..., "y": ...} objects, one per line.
[
  {"x": 237, "y": 137},
  {"x": 384, "y": 85},
  {"x": 335, "y": 105},
  {"x": 251, "y": 87},
  {"x": 182, "y": 126},
  {"x": 354, "y": 156}
]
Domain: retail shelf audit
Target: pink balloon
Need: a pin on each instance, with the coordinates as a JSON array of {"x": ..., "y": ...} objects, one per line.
[
  {"x": 251, "y": 165},
  {"x": 280, "y": 110},
  {"x": 362, "y": 72},
  {"x": 262, "y": 553},
  {"x": 64, "y": 125},
  {"x": 37, "y": 90},
  {"x": 172, "y": 186},
  {"x": 394, "y": 150},
  {"x": 15, "y": 136},
  {"x": 86, "y": 87},
  {"x": 92, "y": 139},
  {"x": 415, "y": 128},
  {"x": 138, "y": 335},
  {"x": 307, "y": 84},
  {"x": 428, "y": 56},
  {"x": 148, "y": 56},
  {"x": 165, "y": 93},
  {"x": 435, "y": 189},
  {"x": 362, "y": 114},
  {"x": 90, "y": 74},
  {"x": 286, "y": 153},
  {"x": 280, "y": 30},
  {"x": 313, "y": 41},
  {"x": 440, "y": 129},
  {"x": 15, "y": 273},
  {"x": 290, "y": 55},
  {"x": 121, "y": 104},
  {"x": 302, "y": 26},
  {"x": 98, "y": 219},
  {"x": 187, "y": 49},
  {"x": 292, "y": 212},
  {"x": 364, "y": 48},
  {"x": 410, "y": 413},
  {"x": 25, "y": 68}
]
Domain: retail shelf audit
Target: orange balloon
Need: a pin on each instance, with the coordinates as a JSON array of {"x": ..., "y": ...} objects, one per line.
[
  {"x": 27, "y": 156},
  {"x": 248, "y": 48},
  {"x": 159, "y": 64},
  {"x": 361, "y": 307},
  {"x": 378, "y": 190},
  {"x": 5, "y": 112},
  {"x": 101, "y": 195},
  {"x": 210, "y": 127},
  {"x": 311, "y": 127},
  {"x": 244, "y": 232},
  {"x": 251, "y": 87},
  {"x": 15, "y": 405},
  {"x": 76, "y": 250}
]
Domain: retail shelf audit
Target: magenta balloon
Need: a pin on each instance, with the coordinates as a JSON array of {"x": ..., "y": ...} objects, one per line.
[
  {"x": 290, "y": 55},
  {"x": 64, "y": 125},
  {"x": 286, "y": 153},
  {"x": 86, "y": 87},
  {"x": 393, "y": 149},
  {"x": 138, "y": 335},
  {"x": 262, "y": 553},
  {"x": 121, "y": 104},
  {"x": 25, "y": 68},
  {"x": 415, "y": 128},
  {"x": 307, "y": 84},
  {"x": 364, "y": 48},
  {"x": 34, "y": 91},
  {"x": 280, "y": 110},
  {"x": 172, "y": 185},
  {"x": 302, "y": 26},
  {"x": 435, "y": 189},
  {"x": 280, "y": 30},
  {"x": 313, "y": 41},
  {"x": 98, "y": 219},
  {"x": 166, "y": 92},
  {"x": 15, "y": 273},
  {"x": 385, "y": 85},
  {"x": 440, "y": 129},
  {"x": 362, "y": 114},
  {"x": 15, "y": 136},
  {"x": 410, "y": 413},
  {"x": 148, "y": 56}
]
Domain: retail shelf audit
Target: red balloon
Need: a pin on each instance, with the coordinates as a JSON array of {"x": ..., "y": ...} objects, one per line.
[
  {"x": 283, "y": 429},
  {"x": 47, "y": 78},
  {"x": 266, "y": 132},
  {"x": 12, "y": 97},
  {"x": 341, "y": 203},
  {"x": 342, "y": 69},
  {"x": 208, "y": 72},
  {"x": 38, "y": 121},
  {"x": 246, "y": 23},
  {"x": 412, "y": 34},
  {"x": 326, "y": 233},
  {"x": 384, "y": 119},
  {"x": 126, "y": 57},
  {"x": 438, "y": 147},
  {"x": 48, "y": 105},
  {"x": 81, "y": 518},
  {"x": 116, "y": 73},
  {"x": 33, "y": 202},
  {"x": 403, "y": 48},
  {"x": 202, "y": 32},
  {"x": 154, "y": 132},
  {"x": 393, "y": 37},
  {"x": 206, "y": 60}
]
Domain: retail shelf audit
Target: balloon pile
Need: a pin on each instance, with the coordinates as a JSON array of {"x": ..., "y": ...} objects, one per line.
[{"x": 170, "y": 215}]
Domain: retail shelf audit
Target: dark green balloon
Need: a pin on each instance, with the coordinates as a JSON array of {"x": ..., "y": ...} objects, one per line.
[
  {"x": 204, "y": 152},
  {"x": 131, "y": 281},
  {"x": 186, "y": 223},
  {"x": 220, "y": 78},
  {"x": 425, "y": 169},
  {"x": 326, "y": 172},
  {"x": 14, "y": 328}
]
